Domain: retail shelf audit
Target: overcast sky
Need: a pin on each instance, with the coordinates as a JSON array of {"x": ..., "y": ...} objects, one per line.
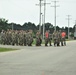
[{"x": 21, "y": 11}]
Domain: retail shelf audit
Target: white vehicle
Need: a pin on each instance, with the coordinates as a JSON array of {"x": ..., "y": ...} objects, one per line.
[{"x": 74, "y": 35}]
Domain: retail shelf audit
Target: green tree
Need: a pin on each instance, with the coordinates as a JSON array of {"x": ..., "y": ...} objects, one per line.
[
  {"x": 3, "y": 24},
  {"x": 29, "y": 25}
]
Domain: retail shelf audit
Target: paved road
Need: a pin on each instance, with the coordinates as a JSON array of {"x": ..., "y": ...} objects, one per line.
[{"x": 39, "y": 60}]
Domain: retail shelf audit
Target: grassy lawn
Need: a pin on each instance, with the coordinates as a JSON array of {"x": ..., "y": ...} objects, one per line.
[{"x": 6, "y": 49}]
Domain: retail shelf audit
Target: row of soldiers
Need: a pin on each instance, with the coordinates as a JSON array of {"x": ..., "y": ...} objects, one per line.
[
  {"x": 24, "y": 38},
  {"x": 58, "y": 37}
]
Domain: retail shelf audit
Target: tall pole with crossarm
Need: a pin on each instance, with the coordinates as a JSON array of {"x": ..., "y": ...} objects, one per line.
[
  {"x": 44, "y": 15},
  {"x": 68, "y": 23},
  {"x": 55, "y": 6}
]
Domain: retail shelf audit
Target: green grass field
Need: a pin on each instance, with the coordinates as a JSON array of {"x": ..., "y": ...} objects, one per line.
[{"x": 6, "y": 49}]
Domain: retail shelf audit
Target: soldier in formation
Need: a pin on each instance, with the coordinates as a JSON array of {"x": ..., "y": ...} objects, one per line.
[
  {"x": 63, "y": 38},
  {"x": 48, "y": 38},
  {"x": 38, "y": 38},
  {"x": 30, "y": 38}
]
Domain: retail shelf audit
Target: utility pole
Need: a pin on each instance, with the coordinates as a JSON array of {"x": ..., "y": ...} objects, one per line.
[
  {"x": 55, "y": 6},
  {"x": 12, "y": 26},
  {"x": 40, "y": 16},
  {"x": 40, "y": 4},
  {"x": 68, "y": 23},
  {"x": 44, "y": 16},
  {"x": 44, "y": 4}
]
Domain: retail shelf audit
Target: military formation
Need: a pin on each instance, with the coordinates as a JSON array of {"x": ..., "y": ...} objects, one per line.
[
  {"x": 15, "y": 37},
  {"x": 25, "y": 38}
]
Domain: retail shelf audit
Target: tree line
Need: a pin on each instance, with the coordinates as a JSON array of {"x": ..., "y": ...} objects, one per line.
[{"x": 4, "y": 25}]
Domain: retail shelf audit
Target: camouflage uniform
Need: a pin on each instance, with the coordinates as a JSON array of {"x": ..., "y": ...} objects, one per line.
[
  {"x": 16, "y": 37},
  {"x": 8, "y": 37},
  {"x": 21, "y": 38},
  {"x": 3, "y": 37},
  {"x": 28, "y": 38},
  {"x": 25, "y": 39},
  {"x": 38, "y": 39},
  {"x": 50, "y": 39},
  {"x": 59, "y": 38},
  {"x": 55, "y": 38},
  {"x": 13, "y": 37}
]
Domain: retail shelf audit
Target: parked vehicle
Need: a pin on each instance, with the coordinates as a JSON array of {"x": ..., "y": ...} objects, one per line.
[{"x": 74, "y": 35}]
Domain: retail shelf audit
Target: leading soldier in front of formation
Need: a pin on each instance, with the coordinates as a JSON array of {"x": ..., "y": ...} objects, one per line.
[{"x": 25, "y": 38}]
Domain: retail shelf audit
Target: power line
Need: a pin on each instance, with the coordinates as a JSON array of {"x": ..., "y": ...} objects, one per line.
[{"x": 55, "y": 6}]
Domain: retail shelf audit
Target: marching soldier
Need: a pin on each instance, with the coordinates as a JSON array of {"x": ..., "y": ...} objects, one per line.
[
  {"x": 55, "y": 38},
  {"x": 63, "y": 38},
  {"x": 58, "y": 38},
  {"x": 38, "y": 39},
  {"x": 46, "y": 38},
  {"x": 16, "y": 37},
  {"x": 24, "y": 38},
  {"x": 13, "y": 37},
  {"x": 3, "y": 37},
  {"x": 21, "y": 38},
  {"x": 50, "y": 39},
  {"x": 30, "y": 38}
]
